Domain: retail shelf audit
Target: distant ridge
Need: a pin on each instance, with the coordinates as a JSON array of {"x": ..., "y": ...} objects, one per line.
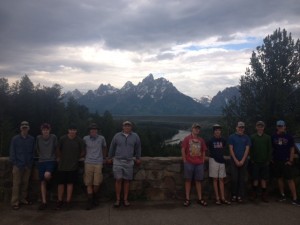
[{"x": 149, "y": 97}]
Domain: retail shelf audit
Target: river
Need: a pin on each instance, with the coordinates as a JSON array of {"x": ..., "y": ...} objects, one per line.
[{"x": 177, "y": 138}]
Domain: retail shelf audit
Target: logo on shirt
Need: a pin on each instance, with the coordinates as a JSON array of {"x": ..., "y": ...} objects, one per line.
[
  {"x": 195, "y": 147},
  {"x": 218, "y": 144}
]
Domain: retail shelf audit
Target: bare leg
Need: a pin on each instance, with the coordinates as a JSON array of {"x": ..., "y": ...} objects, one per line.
[
  {"x": 60, "y": 192},
  {"x": 216, "y": 189},
  {"x": 69, "y": 192},
  {"x": 221, "y": 185},
  {"x": 126, "y": 189},
  {"x": 198, "y": 189},
  {"x": 292, "y": 187},
  {"x": 118, "y": 187},
  {"x": 43, "y": 191},
  {"x": 187, "y": 189}
]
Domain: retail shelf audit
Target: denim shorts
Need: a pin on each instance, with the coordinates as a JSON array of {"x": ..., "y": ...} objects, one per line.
[
  {"x": 47, "y": 166},
  {"x": 123, "y": 169},
  {"x": 193, "y": 171}
]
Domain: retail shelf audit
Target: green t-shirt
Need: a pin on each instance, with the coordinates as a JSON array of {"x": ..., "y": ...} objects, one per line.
[
  {"x": 70, "y": 151},
  {"x": 261, "y": 148}
]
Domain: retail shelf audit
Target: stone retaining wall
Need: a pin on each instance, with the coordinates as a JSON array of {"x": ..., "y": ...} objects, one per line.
[{"x": 157, "y": 178}]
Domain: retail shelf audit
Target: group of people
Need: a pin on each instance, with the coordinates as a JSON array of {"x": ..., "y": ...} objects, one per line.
[
  {"x": 62, "y": 157},
  {"x": 259, "y": 152}
]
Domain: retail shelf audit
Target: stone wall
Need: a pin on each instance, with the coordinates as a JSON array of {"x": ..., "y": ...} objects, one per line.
[{"x": 157, "y": 178}]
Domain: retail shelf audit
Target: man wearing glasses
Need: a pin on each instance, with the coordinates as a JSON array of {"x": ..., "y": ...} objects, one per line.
[
  {"x": 283, "y": 159},
  {"x": 239, "y": 145}
]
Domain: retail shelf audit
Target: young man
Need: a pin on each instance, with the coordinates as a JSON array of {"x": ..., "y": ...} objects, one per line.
[
  {"x": 193, "y": 154},
  {"x": 124, "y": 147},
  {"x": 70, "y": 150},
  {"x": 260, "y": 157},
  {"x": 217, "y": 171},
  {"x": 46, "y": 145},
  {"x": 283, "y": 159},
  {"x": 95, "y": 151},
  {"x": 239, "y": 145},
  {"x": 21, "y": 157}
]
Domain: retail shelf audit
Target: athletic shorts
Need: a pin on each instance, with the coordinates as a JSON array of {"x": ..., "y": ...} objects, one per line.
[
  {"x": 47, "y": 166},
  {"x": 93, "y": 174},
  {"x": 281, "y": 170},
  {"x": 193, "y": 171},
  {"x": 260, "y": 171},
  {"x": 216, "y": 170},
  {"x": 123, "y": 169},
  {"x": 67, "y": 177}
]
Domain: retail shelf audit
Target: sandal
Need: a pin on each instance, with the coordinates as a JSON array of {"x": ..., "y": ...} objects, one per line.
[
  {"x": 225, "y": 202},
  {"x": 15, "y": 207},
  {"x": 117, "y": 204},
  {"x": 25, "y": 202},
  {"x": 187, "y": 203},
  {"x": 202, "y": 202},
  {"x": 239, "y": 200},
  {"x": 126, "y": 203},
  {"x": 218, "y": 202}
]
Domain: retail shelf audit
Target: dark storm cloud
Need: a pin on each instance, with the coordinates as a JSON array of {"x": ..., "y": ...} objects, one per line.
[{"x": 31, "y": 31}]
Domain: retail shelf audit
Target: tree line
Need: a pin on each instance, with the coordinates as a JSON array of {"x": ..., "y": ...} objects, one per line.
[{"x": 38, "y": 104}]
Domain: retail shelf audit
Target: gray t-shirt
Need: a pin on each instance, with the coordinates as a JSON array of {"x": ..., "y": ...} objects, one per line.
[
  {"x": 94, "y": 149},
  {"x": 46, "y": 148}
]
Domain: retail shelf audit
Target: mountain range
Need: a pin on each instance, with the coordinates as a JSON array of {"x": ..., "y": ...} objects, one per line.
[{"x": 150, "y": 97}]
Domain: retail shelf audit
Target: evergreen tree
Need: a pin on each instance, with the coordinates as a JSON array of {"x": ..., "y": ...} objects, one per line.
[{"x": 270, "y": 87}]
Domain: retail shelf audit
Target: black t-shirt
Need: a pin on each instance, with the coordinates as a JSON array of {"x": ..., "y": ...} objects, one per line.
[{"x": 217, "y": 149}]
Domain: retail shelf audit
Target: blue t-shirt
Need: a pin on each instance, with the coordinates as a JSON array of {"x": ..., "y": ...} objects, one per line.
[
  {"x": 217, "y": 148},
  {"x": 282, "y": 144},
  {"x": 239, "y": 143}
]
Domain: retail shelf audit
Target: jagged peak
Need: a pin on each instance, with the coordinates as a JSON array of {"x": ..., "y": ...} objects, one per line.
[
  {"x": 148, "y": 78},
  {"x": 128, "y": 85}
]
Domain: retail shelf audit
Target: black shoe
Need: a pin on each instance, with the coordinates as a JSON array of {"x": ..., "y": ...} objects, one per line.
[
  {"x": 89, "y": 204},
  {"x": 59, "y": 205},
  {"x": 43, "y": 206}
]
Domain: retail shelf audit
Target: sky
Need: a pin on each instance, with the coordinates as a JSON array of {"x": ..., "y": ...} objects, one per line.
[{"x": 200, "y": 46}]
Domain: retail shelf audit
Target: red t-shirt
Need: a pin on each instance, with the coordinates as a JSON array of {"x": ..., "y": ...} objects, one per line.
[{"x": 194, "y": 148}]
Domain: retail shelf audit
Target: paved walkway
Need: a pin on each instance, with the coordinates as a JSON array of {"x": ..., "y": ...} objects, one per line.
[{"x": 154, "y": 213}]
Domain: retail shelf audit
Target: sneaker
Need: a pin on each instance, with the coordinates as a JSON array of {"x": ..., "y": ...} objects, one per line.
[
  {"x": 282, "y": 198},
  {"x": 296, "y": 202},
  {"x": 43, "y": 206}
]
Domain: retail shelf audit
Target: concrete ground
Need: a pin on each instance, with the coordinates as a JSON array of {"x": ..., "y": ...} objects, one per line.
[{"x": 154, "y": 213}]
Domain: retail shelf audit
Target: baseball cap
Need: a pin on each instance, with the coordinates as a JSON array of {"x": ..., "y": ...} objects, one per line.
[
  {"x": 196, "y": 125},
  {"x": 24, "y": 124},
  {"x": 127, "y": 123},
  {"x": 260, "y": 123},
  {"x": 280, "y": 123},
  {"x": 240, "y": 124},
  {"x": 216, "y": 126},
  {"x": 93, "y": 126}
]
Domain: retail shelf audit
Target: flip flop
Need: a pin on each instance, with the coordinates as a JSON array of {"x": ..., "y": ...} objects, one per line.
[
  {"x": 15, "y": 207},
  {"x": 202, "y": 202}
]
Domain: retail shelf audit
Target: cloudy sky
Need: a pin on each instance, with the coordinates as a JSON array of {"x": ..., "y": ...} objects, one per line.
[{"x": 200, "y": 46}]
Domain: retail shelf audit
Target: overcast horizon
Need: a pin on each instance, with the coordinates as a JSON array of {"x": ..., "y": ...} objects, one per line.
[{"x": 200, "y": 46}]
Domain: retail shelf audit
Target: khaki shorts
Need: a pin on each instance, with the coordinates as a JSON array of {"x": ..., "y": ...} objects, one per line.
[
  {"x": 216, "y": 170},
  {"x": 93, "y": 174}
]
